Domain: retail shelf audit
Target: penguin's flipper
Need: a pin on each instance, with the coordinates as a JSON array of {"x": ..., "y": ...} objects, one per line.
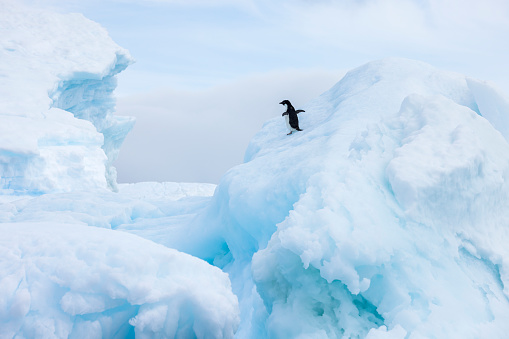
[{"x": 299, "y": 111}]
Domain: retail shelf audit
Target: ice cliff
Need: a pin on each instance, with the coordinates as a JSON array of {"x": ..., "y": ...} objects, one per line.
[
  {"x": 387, "y": 217},
  {"x": 57, "y": 131}
]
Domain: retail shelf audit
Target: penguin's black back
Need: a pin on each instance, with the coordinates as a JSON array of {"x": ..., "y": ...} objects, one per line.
[{"x": 293, "y": 120}]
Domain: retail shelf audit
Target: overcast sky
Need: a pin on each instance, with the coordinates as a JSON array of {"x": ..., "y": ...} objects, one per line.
[{"x": 208, "y": 73}]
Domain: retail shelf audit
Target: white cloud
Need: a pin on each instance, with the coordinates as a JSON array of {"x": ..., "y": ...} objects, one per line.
[{"x": 198, "y": 135}]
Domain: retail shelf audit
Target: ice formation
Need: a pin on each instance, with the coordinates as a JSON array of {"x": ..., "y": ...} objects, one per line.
[
  {"x": 58, "y": 131},
  {"x": 68, "y": 280},
  {"x": 59, "y": 277},
  {"x": 388, "y": 214},
  {"x": 387, "y": 217}
]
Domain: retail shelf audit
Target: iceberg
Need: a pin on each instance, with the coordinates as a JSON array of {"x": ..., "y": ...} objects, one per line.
[
  {"x": 65, "y": 272},
  {"x": 386, "y": 217},
  {"x": 58, "y": 130},
  {"x": 388, "y": 214}
]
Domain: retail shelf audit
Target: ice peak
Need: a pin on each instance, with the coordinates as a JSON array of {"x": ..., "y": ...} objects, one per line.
[{"x": 386, "y": 210}]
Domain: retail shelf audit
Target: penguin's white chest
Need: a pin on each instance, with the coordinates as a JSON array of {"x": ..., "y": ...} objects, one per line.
[{"x": 287, "y": 120}]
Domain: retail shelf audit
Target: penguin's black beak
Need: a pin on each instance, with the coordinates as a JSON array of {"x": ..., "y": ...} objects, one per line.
[{"x": 282, "y": 103}]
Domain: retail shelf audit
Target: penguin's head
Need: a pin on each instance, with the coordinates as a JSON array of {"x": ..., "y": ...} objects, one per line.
[{"x": 285, "y": 102}]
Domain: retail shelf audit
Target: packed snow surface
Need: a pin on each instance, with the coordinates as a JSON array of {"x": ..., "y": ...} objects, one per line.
[{"x": 386, "y": 217}]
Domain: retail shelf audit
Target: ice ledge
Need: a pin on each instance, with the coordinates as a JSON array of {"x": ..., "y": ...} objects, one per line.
[
  {"x": 57, "y": 128},
  {"x": 90, "y": 97}
]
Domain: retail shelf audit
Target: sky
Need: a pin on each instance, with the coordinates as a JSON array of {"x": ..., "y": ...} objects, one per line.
[{"x": 209, "y": 73}]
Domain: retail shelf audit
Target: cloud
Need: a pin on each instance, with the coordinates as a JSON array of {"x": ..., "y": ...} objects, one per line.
[
  {"x": 197, "y": 135},
  {"x": 429, "y": 23},
  {"x": 206, "y": 52},
  {"x": 466, "y": 36}
]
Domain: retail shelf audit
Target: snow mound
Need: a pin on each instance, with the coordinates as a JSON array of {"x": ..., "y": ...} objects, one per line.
[
  {"x": 57, "y": 128},
  {"x": 387, "y": 216},
  {"x": 72, "y": 281}
]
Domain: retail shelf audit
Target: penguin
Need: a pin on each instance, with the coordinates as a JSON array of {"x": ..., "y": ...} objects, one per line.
[{"x": 292, "y": 122}]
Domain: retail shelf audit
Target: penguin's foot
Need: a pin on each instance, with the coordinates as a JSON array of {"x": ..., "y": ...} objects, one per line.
[{"x": 289, "y": 133}]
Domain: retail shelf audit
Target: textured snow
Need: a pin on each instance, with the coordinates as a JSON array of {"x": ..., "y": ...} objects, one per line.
[
  {"x": 388, "y": 214},
  {"x": 57, "y": 130},
  {"x": 66, "y": 280},
  {"x": 386, "y": 217},
  {"x": 161, "y": 212},
  {"x": 68, "y": 271},
  {"x": 65, "y": 272}
]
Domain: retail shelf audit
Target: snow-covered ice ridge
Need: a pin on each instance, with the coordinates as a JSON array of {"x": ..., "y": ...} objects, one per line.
[
  {"x": 57, "y": 128},
  {"x": 390, "y": 212},
  {"x": 387, "y": 217}
]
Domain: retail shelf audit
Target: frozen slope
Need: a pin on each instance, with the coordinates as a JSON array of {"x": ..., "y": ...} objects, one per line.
[
  {"x": 57, "y": 128},
  {"x": 389, "y": 212}
]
